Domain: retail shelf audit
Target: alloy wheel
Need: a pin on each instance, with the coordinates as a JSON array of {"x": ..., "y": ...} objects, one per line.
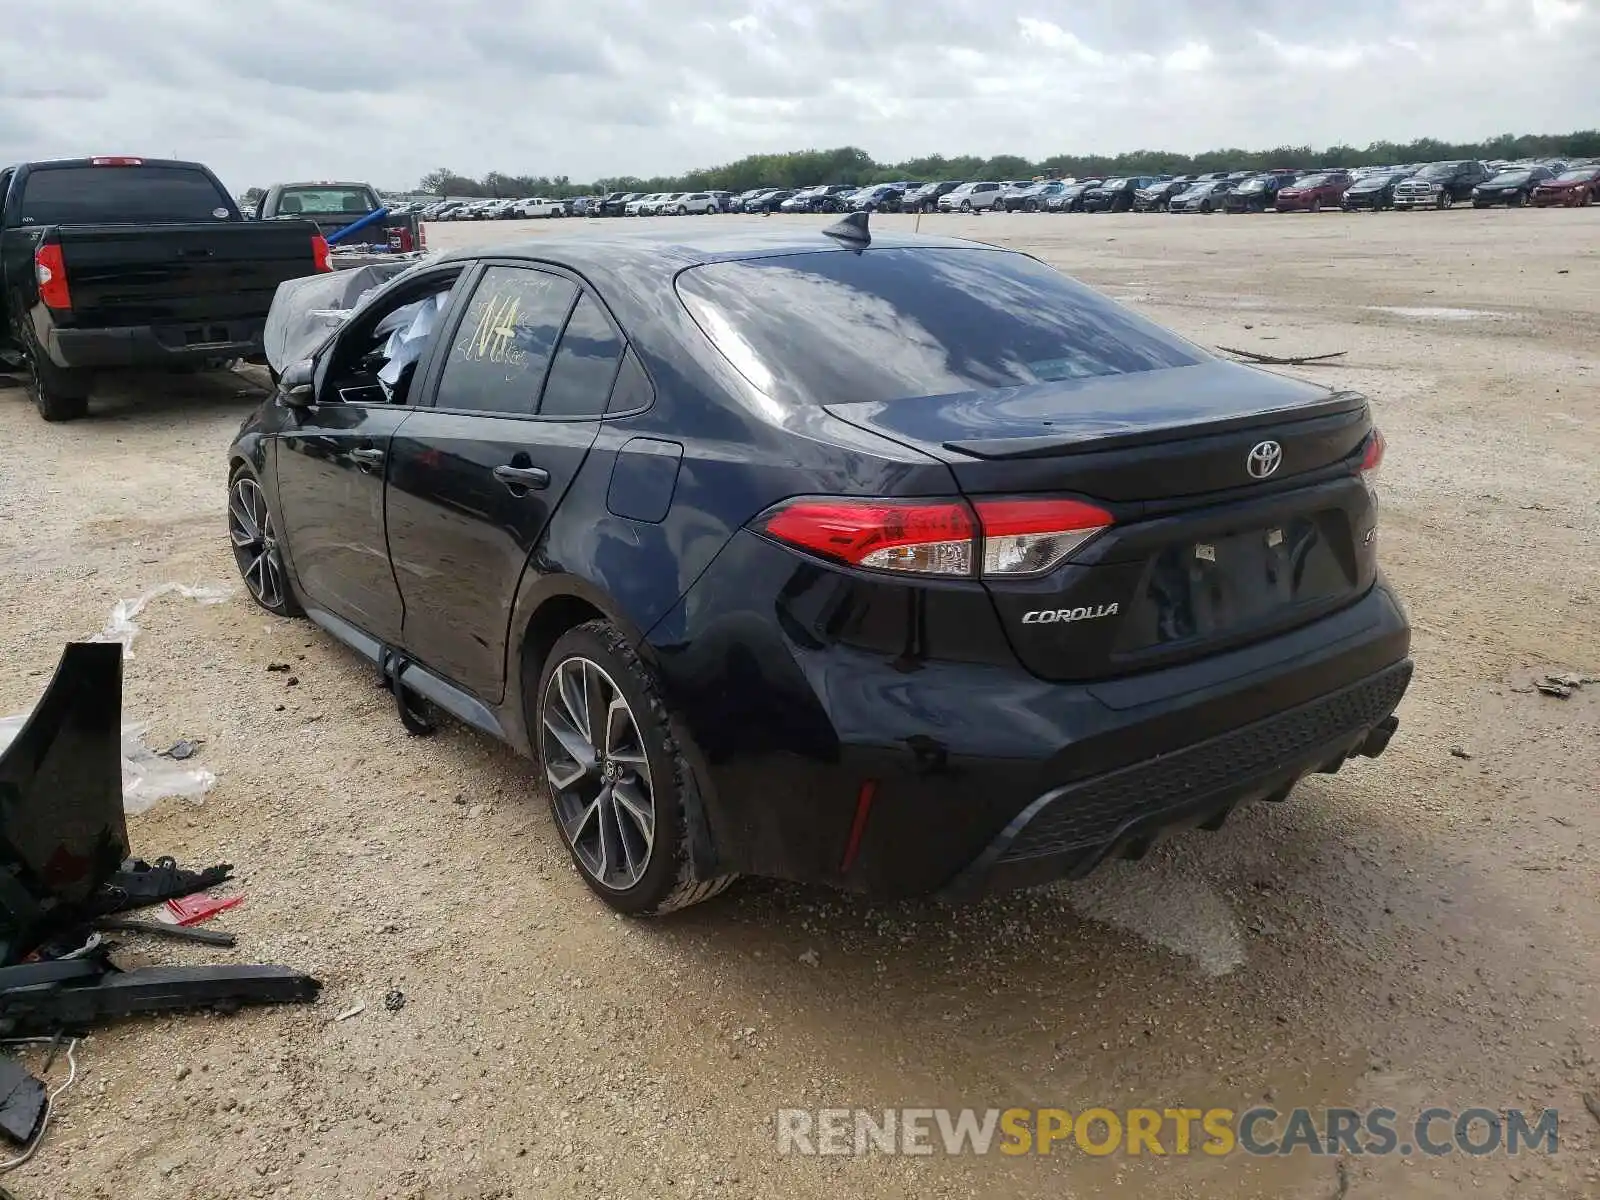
[
  {"x": 255, "y": 543},
  {"x": 598, "y": 772}
]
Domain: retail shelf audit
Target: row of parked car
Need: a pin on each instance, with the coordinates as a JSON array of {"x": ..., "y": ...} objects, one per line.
[{"x": 1287, "y": 189}]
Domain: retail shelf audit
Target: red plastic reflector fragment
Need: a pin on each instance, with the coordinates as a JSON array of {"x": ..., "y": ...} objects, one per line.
[
  {"x": 50, "y": 269},
  {"x": 1372, "y": 456},
  {"x": 924, "y": 536},
  {"x": 319, "y": 253},
  {"x": 191, "y": 910},
  {"x": 116, "y": 161}
]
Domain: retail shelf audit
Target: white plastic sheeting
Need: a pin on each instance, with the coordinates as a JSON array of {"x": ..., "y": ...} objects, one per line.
[
  {"x": 146, "y": 775},
  {"x": 123, "y": 628}
]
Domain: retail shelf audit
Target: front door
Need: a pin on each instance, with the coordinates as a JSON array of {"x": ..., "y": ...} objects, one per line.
[
  {"x": 474, "y": 479},
  {"x": 330, "y": 462}
]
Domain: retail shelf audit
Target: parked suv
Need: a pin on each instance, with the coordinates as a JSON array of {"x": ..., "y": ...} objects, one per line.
[
  {"x": 970, "y": 197},
  {"x": 1440, "y": 185},
  {"x": 1117, "y": 195},
  {"x": 925, "y": 197},
  {"x": 1155, "y": 197},
  {"x": 693, "y": 202},
  {"x": 1257, "y": 193}
]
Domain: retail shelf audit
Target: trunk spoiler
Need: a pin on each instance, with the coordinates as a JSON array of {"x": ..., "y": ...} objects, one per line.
[{"x": 1057, "y": 445}]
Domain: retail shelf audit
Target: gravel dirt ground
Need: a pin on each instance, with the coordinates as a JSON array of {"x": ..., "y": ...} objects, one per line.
[{"x": 1420, "y": 930}]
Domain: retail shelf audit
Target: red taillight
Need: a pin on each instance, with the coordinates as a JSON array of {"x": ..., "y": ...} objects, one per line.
[
  {"x": 50, "y": 269},
  {"x": 319, "y": 253},
  {"x": 1032, "y": 535},
  {"x": 422, "y": 235},
  {"x": 116, "y": 161},
  {"x": 928, "y": 537},
  {"x": 1011, "y": 538},
  {"x": 1372, "y": 456}
]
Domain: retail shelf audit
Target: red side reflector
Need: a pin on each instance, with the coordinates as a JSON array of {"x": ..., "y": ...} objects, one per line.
[
  {"x": 50, "y": 269},
  {"x": 116, "y": 161},
  {"x": 1372, "y": 456},
  {"x": 864, "y": 798},
  {"x": 924, "y": 536},
  {"x": 319, "y": 253}
]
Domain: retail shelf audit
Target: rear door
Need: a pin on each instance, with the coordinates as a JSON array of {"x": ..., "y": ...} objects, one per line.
[{"x": 473, "y": 480}]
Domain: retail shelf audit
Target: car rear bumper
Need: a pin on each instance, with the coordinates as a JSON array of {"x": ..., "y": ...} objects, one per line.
[
  {"x": 154, "y": 345},
  {"x": 1070, "y": 830},
  {"x": 838, "y": 750}
]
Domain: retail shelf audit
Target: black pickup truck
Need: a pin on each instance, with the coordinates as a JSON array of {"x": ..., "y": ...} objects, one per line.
[
  {"x": 335, "y": 206},
  {"x": 128, "y": 262}
]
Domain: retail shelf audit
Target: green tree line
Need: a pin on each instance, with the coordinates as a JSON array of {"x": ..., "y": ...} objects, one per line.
[{"x": 850, "y": 164}]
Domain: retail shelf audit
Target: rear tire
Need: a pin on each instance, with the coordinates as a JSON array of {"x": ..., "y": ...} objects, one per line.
[
  {"x": 59, "y": 393},
  {"x": 601, "y": 726}
]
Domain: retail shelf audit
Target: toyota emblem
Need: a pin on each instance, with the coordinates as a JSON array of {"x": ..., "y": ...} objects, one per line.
[{"x": 1264, "y": 459}]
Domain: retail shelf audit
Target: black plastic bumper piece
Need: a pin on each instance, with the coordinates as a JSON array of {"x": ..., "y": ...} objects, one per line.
[
  {"x": 156, "y": 345},
  {"x": 90, "y": 993},
  {"x": 1070, "y": 830}
]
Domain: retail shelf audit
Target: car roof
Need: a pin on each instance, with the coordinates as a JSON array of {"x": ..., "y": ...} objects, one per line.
[{"x": 626, "y": 259}]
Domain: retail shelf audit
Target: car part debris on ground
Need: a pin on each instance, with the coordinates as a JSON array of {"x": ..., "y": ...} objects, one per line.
[{"x": 65, "y": 871}]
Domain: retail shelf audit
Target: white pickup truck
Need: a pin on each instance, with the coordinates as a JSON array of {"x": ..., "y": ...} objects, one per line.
[{"x": 538, "y": 206}]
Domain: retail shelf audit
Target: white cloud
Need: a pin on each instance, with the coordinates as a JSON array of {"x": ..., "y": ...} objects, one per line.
[{"x": 388, "y": 89}]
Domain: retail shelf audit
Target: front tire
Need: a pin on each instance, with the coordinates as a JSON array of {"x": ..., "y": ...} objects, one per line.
[
  {"x": 1447, "y": 199},
  {"x": 255, "y": 545},
  {"x": 616, "y": 774}
]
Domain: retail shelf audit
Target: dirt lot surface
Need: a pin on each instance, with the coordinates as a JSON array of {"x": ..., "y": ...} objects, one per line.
[{"x": 1420, "y": 930}]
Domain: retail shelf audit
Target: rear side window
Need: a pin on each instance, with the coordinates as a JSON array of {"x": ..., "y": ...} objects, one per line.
[
  {"x": 584, "y": 366},
  {"x": 502, "y": 347},
  {"x": 836, "y": 327},
  {"x": 121, "y": 196}
]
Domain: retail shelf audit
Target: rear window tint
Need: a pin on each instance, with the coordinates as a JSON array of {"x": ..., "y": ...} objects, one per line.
[
  {"x": 324, "y": 201},
  {"x": 836, "y": 327},
  {"x": 121, "y": 196}
]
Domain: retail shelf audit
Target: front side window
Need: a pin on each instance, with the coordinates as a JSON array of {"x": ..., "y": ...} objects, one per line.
[{"x": 502, "y": 347}]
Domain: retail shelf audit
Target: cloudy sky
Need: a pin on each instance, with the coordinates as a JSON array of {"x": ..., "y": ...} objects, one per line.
[{"x": 387, "y": 89}]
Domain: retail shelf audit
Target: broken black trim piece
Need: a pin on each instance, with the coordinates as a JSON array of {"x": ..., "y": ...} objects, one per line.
[{"x": 79, "y": 1000}]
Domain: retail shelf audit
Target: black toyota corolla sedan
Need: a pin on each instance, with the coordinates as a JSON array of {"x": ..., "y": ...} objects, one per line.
[{"x": 900, "y": 563}]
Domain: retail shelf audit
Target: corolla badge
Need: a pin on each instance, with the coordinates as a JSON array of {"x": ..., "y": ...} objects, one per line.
[
  {"x": 1050, "y": 616},
  {"x": 1263, "y": 459}
]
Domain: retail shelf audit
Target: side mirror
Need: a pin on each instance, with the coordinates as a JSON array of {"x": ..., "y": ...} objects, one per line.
[{"x": 297, "y": 385}]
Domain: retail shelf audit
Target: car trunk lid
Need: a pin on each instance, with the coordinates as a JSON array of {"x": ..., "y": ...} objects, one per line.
[{"x": 1237, "y": 503}]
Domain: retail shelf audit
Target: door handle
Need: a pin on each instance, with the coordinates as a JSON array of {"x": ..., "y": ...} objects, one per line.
[
  {"x": 534, "y": 478},
  {"x": 367, "y": 458}
]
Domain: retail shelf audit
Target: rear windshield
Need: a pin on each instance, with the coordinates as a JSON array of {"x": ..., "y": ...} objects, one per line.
[
  {"x": 885, "y": 324},
  {"x": 324, "y": 201},
  {"x": 121, "y": 196}
]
